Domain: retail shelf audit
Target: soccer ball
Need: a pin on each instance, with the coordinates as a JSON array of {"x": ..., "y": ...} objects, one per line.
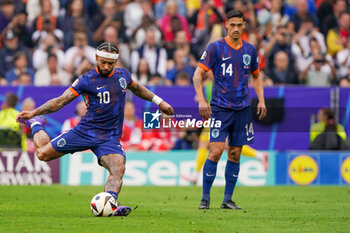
[{"x": 103, "y": 204}]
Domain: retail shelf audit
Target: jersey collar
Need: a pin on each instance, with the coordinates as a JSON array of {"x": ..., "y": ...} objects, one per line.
[
  {"x": 232, "y": 46},
  {"x": 108, "y": 75}
]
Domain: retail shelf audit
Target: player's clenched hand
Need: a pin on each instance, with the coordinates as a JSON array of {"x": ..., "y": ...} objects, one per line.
[
  {"x": 25, "y": 115},
  {"x": 204, "y": 110},
  {"x": 166, "y": 108},
  {"x": 262, "y": 111}
]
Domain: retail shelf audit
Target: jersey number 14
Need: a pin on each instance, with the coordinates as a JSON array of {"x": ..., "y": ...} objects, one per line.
[
  {"x": 249, "y": 129},
  {"x": 228, "y": 70}
]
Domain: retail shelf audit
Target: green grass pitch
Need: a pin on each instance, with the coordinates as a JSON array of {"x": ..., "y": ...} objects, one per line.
[{"x": 174, "y": 209}]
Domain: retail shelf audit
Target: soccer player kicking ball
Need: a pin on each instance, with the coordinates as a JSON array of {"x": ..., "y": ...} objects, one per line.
[
  {"x": 104, "y": 90},
  {"x": 232, "y": 61}
]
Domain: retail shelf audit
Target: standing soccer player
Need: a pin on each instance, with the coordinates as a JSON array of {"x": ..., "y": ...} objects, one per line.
[
  {"x": 232, "y": 61},
  {"x": 104, "y": 90}
]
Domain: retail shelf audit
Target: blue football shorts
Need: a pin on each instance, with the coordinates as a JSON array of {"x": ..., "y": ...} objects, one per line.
[
  {"x": 73, "y": 141},
  {"x": 237, "y": 125}
]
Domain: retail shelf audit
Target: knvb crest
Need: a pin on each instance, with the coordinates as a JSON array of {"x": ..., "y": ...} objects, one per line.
[
  {"x": 215, "y": 133},
  {"x": 61, "y": 143},
  {"x": 123, "y": 83},
  {"x": 151, "y": 120},
  {"x": 246, "y": 59}
]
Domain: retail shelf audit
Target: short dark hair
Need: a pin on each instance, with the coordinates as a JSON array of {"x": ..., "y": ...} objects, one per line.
[
  {"x": 235, "y": 14},
  {"x": 11, "y": 99},
  {"x": 50, "y": 54}
]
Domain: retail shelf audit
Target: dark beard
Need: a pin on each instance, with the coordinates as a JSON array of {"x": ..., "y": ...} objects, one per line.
[{"x": 103, "y": 75}]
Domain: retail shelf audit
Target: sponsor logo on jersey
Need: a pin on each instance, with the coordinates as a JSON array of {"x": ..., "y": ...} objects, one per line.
[{"x": 303, "y": 170}]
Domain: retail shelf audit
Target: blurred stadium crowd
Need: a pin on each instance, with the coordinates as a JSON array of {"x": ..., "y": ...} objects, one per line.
[{"x": 52, "y": 42}]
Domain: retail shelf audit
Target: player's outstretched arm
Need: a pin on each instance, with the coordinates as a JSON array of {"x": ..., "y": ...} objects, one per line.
[
  {"x": 146, "y": 94},
  {"x": 50, "y": 106},
  {"x": 259, "y": 90},
  {"x": 204, "y": 108}
]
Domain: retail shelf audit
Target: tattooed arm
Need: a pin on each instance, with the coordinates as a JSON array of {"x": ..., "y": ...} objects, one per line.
[
  {"x": 204, "y": 108},
  {"x": 50, "y": 106},
  {"x": 146, "y": 94},
  {"x": 141, "y": 91}
]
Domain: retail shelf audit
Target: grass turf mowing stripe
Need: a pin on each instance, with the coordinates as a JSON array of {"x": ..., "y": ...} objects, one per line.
[{"x": 174, "y": 209}]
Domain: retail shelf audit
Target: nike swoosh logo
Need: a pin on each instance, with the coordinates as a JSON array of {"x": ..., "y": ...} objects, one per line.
[
  {"x": 98, "y": 88},
  {"x": 225, "y": 58},
  {"x": 235, "y": 175},
  {"x": 249, "y": 139},
  {"x": 210, "y": 174}
]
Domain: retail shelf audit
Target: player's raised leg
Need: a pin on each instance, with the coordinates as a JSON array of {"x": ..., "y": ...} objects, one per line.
[
  {"x": 231, "y": 176},
  {"x": 115, "y": 164},
  {"x": 209, "y": 171},
  {"x": 43, "y": 147},
  {"x": 34, "y": 120}
]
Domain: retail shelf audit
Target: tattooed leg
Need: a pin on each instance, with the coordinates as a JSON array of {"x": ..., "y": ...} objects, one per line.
[
  {"x": 41, "y": 138},
  {"x": 115, "y": 164},
  {"x": 43, "y": 147}
]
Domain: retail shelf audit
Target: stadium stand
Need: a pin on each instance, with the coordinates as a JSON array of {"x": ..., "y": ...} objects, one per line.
[{"x": 298, "y": 41}]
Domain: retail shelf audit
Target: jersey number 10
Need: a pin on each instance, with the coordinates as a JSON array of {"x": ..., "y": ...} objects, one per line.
[{"x": 104, "y": 97}]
